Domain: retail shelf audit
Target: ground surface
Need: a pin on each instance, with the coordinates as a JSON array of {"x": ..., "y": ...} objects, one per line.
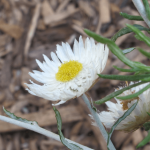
[{"x": 30, "y": 28}]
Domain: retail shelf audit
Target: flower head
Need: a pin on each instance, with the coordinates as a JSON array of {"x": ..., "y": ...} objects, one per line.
[
  {"x": 70, "y": 73},
  {"x": 137, "y": 117}
]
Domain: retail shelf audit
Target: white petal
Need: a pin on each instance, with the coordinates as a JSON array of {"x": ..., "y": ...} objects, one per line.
[
  {"x": 89, "y": 54},
  {"x": 137, "y": 117}
]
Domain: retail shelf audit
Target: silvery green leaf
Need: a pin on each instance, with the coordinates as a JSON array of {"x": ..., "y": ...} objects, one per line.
[
  {"x": 71, "y": 146},
  {"x": 128, "y": 50},
  {"x": 11, "y": 115},
  {"x": 127, "y": 30},
  {"x": 147, "y": 8}
]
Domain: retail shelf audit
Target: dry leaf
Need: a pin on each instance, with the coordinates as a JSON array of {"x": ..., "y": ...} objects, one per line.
[{"x": 12, "y": 30}]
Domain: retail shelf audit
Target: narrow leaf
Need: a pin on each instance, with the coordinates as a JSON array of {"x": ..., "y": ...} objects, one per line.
[
  {"x": 144, "y": 141},
  {"x": 116, "y": 93},
  {"x": 147, "y": 54},
  {"x": 147, "y": 9},
  {"x": 125, "y": 70},
  {"x": 112, "y": 46},
  {"x": 124, "y": 77},
  {"x": 140, "y": 34},
  {"x": 11, "y": 115},
  {"x": 131, "y": 96},
  {"x": 131, "y": 17},
  {"x": 116, "y": 51},
  {"x": 126, "y": 30},
  {"x": 146, "y": 79},
  {"x": 139, "y": 72},
  {"x": 62, "y": 138},
  {"x": 138, "y": 38},
  {"x": 97, "y": 37},
  {"x": 127, "y": 113},
  {"x": 128, "y": 50}
]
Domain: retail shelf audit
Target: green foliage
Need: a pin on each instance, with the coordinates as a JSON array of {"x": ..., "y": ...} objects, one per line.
[
  {"x": 117, "y": 51},
  {"x": 124, "y": 77},
  {"x": 147, "y": 9},
  {"x": 11, "y": 115},
  {"x": 126, "y": 30},
  {"x": 138, "y": 38},
  {"x": 146, "y": 79},
  {"x": 146, "y": 126},
  {"x": 147, "y": 54},
  {"x": 139, "y": 34},
  {"x": 128, "y": 50},
  {"x": 125, "y": 70},
  {"x": 131, "y": 17},
  {"x": 141, "y": 71},
  {"x": 62, "y": 138},
  {"x": 127, "y": 113},
  {"x": 116, "y": 93},
  {"x": 144, "y": 141},
  {"x": 131, "y": 96}
]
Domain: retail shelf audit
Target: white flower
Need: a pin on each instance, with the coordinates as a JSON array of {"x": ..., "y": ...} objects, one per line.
[
  {"x": 70, "y": 73},
  {"x": 137, "y": 117}
]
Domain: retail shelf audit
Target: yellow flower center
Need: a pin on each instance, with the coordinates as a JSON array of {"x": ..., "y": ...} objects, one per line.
[{"x": 68, "y": 70}]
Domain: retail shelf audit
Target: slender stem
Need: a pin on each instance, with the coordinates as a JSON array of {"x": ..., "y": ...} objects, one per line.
[
  {"x": 141, "y": 9},
  {"x": 39, "y": 130},
  {"x": 98, "y": 122}
]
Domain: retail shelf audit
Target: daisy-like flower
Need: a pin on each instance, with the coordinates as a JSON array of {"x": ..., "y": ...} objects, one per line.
[
  {"x": 137, "y": 117},
  {"x": 70, "y": 73}
]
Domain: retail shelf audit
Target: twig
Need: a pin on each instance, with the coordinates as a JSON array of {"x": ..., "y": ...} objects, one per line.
[{"x": 32, "y": 29}]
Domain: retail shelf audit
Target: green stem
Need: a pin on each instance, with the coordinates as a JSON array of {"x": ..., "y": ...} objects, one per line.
[{"x": 98, "y": 122}]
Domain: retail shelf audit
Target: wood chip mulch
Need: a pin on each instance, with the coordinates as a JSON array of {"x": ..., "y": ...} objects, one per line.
[{"x": 30, "y": 28}]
